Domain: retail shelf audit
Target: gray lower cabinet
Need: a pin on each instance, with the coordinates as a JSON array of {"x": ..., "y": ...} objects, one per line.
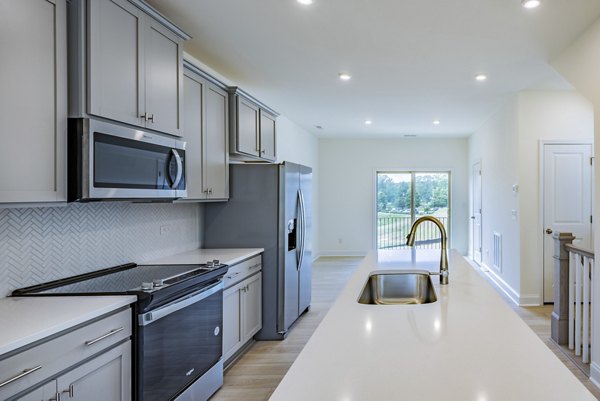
[
  {"x": 106, "y": 377},
  {"x": 91, "y": 363},
  {"x": 252, "y": 128},
  {"x": 206, "y": 134},
  {"x": 242, "y": 306},
  {"x": 33, "y": 100},
  {"x": 130, "y": 68}
]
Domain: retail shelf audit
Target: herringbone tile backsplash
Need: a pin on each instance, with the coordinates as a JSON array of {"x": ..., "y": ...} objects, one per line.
[{"x": 43, "y": 244}]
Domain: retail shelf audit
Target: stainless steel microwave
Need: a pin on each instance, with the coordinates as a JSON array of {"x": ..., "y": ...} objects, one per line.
[{"x": 107, "y": 161}]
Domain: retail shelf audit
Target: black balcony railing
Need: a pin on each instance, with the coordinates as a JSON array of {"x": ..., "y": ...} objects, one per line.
[{"x": 392, "y": 232}]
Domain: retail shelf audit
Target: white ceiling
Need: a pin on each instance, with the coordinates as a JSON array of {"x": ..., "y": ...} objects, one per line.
[{"x": 412, "y": 61}]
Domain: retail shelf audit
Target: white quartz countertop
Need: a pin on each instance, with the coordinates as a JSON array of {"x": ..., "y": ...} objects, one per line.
[
  {"x": 468, "y": 346},
  {"x": 225, "y": 256},
  {"x": 24, "y": 320}
]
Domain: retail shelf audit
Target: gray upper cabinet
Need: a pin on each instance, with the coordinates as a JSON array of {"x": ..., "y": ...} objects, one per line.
[
  {"x": 206, "y": 135},
  {"x": 33, "y": 100},
  {"x": 252, "y": 128},
  {"x": 130, "y": 68},
  {"x": 267, "y": 135},
  {"x": 114, "y": 82}
]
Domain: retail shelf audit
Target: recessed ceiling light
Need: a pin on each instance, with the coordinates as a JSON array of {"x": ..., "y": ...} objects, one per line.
[
  {"x": 530, "y": 3},
  {"x": 410, "y": 135},
  {"x": 480, "y": 77},
  {"x": 318, "y": 127},
  {"x": 344, "y": 76},
  {"x": 368, "y": 122},
  {"x": 305, "y": 2},
  {"x": 436, "y": 122}
]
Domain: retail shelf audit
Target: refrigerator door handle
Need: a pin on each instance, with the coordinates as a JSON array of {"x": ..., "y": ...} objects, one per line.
[{"x": 303, "y": 227}]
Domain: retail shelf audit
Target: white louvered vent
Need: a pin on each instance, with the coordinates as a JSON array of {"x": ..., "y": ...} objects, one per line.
[{"x": 498, "y": 251}]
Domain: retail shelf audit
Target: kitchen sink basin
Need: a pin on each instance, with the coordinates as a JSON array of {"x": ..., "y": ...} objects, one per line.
[{"x": 398, "y": 288}]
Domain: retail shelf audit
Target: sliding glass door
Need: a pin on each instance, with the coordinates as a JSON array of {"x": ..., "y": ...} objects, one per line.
[{"x": 404, "y": 196}]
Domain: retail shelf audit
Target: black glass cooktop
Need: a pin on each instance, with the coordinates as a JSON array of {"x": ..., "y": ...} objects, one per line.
[{"x": 126, "y": 279}]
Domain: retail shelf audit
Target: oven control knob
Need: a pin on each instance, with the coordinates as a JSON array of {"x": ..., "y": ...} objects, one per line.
[
  {"x": 210, "y": 264},
  {"x": 147, "y": 286},
  {"x": 217, "y": 330},
  {"x": 216, "y": 262},
  {"x": 158, "y": 282}
]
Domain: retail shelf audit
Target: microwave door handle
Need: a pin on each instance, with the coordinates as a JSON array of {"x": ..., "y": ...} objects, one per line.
[{"x": 179, "y": 168}]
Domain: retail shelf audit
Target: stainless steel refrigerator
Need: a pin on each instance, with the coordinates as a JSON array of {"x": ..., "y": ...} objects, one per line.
[{"x": 270, "y": 207}]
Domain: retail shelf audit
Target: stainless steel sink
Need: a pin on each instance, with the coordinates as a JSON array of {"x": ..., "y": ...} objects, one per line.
[{"x": 398, "y": 288}]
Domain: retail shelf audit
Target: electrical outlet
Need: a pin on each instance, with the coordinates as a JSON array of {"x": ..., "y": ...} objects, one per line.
[{"x": 166, "y": 229}]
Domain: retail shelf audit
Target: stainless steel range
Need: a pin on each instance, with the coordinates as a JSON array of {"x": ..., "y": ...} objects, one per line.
[{"x": 177, "y": 327}]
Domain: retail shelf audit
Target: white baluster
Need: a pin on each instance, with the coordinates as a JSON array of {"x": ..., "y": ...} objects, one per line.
[
  {"x": 572, "y": 267},
  {"x": 586, "y": 310},
  {"x": 578, "y": 306}
]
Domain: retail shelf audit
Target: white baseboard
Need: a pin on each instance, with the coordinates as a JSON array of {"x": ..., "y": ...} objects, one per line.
[
  {"x": 595, "y": 373},
  {"x": 343, "y": 253},
  {"x": 501, "y": 284}
]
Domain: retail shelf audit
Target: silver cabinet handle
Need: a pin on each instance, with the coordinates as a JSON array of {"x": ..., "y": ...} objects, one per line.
[
  {"x": 20, "y": 375},
  {"x": 71, "y": 391},
  {"x": 110, "y": 333},
  {"x": 56, "y": 397},
  {"x": 151, "y": 118}
]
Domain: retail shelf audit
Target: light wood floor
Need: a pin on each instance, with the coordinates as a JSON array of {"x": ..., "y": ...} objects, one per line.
[{"x": 256, "y": 374}]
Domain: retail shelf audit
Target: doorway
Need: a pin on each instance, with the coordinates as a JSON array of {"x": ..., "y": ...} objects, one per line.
[
  {"x": 476, "y": 216},
  {"x": 404, "y": 196},
  {"x": 567, "y": 201}
]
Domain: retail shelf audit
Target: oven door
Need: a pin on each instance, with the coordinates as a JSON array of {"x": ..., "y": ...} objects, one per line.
[
  {"x": 110, "y": 161},
  {"x": 178, "y": 342}
]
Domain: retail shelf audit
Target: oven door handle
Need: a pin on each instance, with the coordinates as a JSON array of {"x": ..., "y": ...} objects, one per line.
[{"x": 152, "y": 316}]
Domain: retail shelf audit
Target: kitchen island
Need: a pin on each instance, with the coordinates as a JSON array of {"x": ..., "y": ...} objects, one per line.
[{"x": 468, "y": 345}]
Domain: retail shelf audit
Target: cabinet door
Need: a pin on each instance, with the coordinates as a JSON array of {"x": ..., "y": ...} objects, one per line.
[
  {"x": 163, "y": 53},
  {"x": 267, "y": 136},
  {"x": 33, "y": 109},
  {"x": 232, "y": 338},
  {"x": 44, "y": 393},
  {"x": 247, "y": 127},
  {"x": 216, "y": 156},
  {"x": 106, "y": 377},
  {"x": 115, "y": 81},
  {"x": 193, "y": 88},
  {"x": 252, "y": 306}
]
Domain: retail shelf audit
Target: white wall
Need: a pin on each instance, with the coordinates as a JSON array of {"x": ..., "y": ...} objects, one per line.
[
  {"x": 495, "y": 145},
  {"x": 347, "y": 185},
  {"x": 508, "y": 146},
  {"x": 299, "y": 146},
  {"x": 580, "y": 64},
  {"x": 543, "y": 116}
]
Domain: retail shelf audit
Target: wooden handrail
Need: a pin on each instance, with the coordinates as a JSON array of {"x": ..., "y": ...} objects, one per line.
[{"x": 580, "y": 251}]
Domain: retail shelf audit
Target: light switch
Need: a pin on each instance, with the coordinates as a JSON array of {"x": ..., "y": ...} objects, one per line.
[{"x": 513, "y": 212}]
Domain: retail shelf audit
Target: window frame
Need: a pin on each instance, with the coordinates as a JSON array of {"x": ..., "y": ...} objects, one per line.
[{"x": 412, "y": 172}]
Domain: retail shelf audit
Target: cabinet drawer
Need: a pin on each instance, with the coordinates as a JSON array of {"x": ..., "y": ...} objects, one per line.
[
  {"x": 51, "y": 357},
  {"x": 242, "y": 270}
]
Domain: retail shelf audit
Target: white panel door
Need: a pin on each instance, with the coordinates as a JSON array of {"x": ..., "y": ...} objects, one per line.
[
  {"x": 567, "y": 179},
  {"x": 476, "y": 216}
]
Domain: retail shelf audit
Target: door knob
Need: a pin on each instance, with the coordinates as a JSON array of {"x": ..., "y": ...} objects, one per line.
[{"x": 548, "y": 231}]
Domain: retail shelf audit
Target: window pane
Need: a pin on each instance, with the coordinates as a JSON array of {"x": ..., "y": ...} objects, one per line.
[
  {"x": 431, "y": 199},
  {"x": 394, "y": 196}
]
